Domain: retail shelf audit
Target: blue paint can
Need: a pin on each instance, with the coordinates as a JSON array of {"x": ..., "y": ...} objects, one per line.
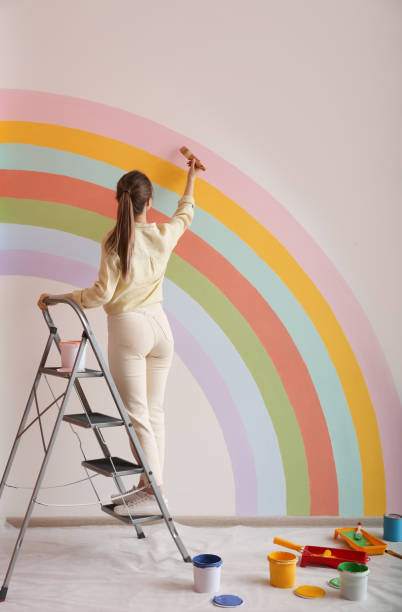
[
  {"x": 207, "y": 573},
  {"x": 393, "y": 527}
]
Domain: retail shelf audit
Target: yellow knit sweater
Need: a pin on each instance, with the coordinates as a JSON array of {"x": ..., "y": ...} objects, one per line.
[{"x": 153, "y": 245}]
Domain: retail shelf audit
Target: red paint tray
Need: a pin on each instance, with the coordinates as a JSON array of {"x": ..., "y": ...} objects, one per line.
[{"x": 323, "y": 555}]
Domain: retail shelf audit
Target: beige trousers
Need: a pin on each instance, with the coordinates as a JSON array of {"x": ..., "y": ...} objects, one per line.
[{"x": 140, "y": 352}]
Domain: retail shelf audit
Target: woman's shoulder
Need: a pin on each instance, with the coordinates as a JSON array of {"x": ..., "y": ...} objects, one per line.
[
  {"x": 109, "y": 248},
  {"x": 106, "y": 236},
  {"x": 107, "y": 244}
]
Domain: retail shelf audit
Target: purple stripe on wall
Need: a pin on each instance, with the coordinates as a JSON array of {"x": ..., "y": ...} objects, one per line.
[
  {"x": 223, "y": 406},
  {"x": 31, "y": 263}
]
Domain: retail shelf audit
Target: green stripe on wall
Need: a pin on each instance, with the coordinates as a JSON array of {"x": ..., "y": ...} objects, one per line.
[{"x": 93, "y": 226}]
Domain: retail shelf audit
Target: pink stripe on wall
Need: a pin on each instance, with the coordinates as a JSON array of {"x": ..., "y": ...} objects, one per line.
[{"x": 21, "y": 105}]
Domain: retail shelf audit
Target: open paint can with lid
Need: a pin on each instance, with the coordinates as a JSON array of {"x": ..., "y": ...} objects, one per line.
[
  {"x": 354, "y": 578},
  {"x": 207, "y": 573},
  {"x": 282, "y": 569}
]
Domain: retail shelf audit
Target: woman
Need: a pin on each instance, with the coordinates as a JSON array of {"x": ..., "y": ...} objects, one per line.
[{"x": 140, "y": 342}]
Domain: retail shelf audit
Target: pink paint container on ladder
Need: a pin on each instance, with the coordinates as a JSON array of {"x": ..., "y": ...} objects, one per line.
[
  {"x": 69, "y": 350},
  {"x": 207, "y": 573}
]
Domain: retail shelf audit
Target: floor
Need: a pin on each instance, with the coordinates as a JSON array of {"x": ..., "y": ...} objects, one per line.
[{"x": 104, "y": 568}]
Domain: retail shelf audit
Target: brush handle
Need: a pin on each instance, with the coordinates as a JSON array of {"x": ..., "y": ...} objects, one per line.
[
  {"x": 287, "y": 544},
  {"x": 189, "y": 155},
  {"x": 394, "y": 554}
]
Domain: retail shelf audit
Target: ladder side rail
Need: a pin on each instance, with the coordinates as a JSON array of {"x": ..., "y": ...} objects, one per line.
[
  {"x": 26, "y": 411},
  {"x": 120, "y": 406},
  {"x": 84, "y": 403},
  {"x": 40, "y": 476},
  {"x": 106, "y": 372},
  {"x": 56, "y": 399},
  {"x": 138, "y": 448},
  {"x": 127, "y": 423},
  {"x": 88, "y": 334},
  {"x": 53, "y": 300},
  {"x": 77, "y": 384},
  {"x": 105, "y": 449}
]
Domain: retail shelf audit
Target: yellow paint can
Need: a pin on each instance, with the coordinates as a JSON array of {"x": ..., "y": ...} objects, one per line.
[{"x": 282, "y": 569}]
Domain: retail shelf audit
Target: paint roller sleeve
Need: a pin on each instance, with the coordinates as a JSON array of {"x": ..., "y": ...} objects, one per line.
[{"x": 153, "y": 246}]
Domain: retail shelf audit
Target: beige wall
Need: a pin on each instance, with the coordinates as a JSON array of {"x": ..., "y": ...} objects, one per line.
[{"x": 302, "y": 97}]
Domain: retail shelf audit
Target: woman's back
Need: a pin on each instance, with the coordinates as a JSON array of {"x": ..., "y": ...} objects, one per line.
[{"x": 153, "y": 245}]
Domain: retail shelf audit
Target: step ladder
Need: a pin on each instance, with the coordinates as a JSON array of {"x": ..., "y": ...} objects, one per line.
[{"x": 108, "y": 465}]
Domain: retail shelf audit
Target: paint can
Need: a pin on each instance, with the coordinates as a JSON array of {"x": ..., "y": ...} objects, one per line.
[
  {"x": 393, "y": 527},
  {"x": 207, "y": 573},
  {"x": 282, "y": 569},
  {"x": 354, "y": 578},
  {"x": 68, "y": 351}
]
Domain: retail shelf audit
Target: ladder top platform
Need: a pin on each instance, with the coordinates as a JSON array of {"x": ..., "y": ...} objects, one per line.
[{"x": 56, "y": 371}]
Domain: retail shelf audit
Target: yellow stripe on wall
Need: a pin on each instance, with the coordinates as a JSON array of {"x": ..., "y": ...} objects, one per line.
[{"x": 266, "y": 246}]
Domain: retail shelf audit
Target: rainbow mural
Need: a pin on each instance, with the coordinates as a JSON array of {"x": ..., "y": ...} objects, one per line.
[{"x": 273, "y": 335}]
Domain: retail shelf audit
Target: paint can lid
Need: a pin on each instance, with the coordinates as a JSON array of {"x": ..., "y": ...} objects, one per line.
[
  {"x": 227, "y": 601},
  {"x": 393, "y": 516},
  {"x": 309, "y": 592},
  {"x": 352, "y": 567},
  {"x": 207, "y": 561}
]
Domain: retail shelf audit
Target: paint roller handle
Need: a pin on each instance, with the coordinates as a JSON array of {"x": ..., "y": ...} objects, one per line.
[{"x": 287, "y": 544}]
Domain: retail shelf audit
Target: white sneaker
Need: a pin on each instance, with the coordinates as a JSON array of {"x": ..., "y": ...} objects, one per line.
[
  {"x": 143, "y": 504},
  {"x": 117, "y": 499}
]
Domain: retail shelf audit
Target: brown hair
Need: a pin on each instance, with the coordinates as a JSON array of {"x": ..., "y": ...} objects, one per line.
[{"x": 133, "y": 191}]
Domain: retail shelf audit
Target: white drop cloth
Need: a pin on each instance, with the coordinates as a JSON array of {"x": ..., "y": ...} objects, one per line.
[{"x": 106, "y": 568}]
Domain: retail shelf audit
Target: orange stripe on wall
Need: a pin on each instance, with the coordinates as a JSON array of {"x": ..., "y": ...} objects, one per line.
[{"x": 265, "y": 323}]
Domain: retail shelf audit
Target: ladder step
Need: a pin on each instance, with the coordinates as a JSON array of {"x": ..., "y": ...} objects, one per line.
[
  {"x": 104, "y": 466},
  {"x": 55, "y": 371},
  {"x": 96, "y": 420},
  {"x": 109, "y": 509}
]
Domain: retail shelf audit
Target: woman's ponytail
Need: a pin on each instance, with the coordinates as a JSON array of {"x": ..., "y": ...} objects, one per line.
[
  {"x": 125, "y": 226},
  {"x": 134, "y": 189}
]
